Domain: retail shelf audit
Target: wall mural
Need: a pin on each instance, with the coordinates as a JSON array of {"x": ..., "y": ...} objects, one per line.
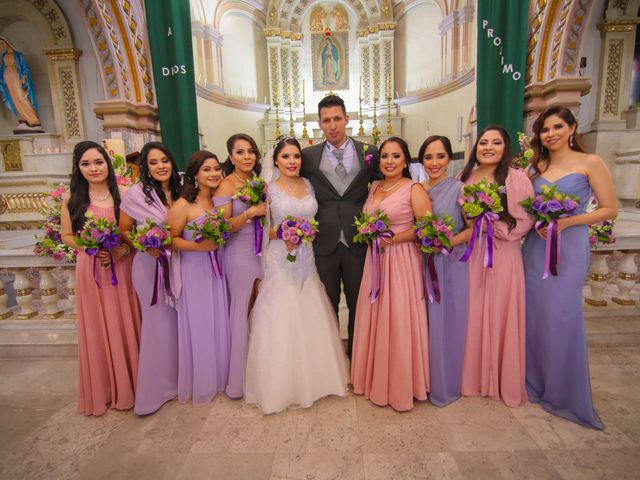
[{"x": 330, "y": 47}]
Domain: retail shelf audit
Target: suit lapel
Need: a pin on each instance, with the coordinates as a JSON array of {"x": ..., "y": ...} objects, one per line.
[{"x": 364, "y": 169}]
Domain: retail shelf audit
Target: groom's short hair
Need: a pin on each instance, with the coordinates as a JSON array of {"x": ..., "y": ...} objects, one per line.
[{"x": 331, "y": 101}]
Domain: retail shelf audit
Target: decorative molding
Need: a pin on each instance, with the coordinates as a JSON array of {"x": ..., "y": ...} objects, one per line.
[
  {"x": 22, "y": 225},
  {"x": 366, "y": 74},
  {"x": 55, "y": 18},
  {"x": 140, "y": 50},
  {"x": 612, "y": 79},
  {"x": 120, "y": 114},
  {"x": 558, "y": 36},
  {"x": 443, "y": 89},
  {"x": 544, "y": 45},
  {"x": 295, "y": 77},
  {"x": 284, "y": 76},
  {"x": 59, "y": 54},
  {"x": 115, "y": 44},
  {"x": 11, "y": 155},
  {"x": 375, "y": 63},
  {"x": 536, "y": 23},
  {"x": 24, "y": 202},
  {"x": 574, "y": 36},
  {"x": 619, "y": 25},
  {"x": 68, "y": 89},
  {"x": 275, "y": 75}
]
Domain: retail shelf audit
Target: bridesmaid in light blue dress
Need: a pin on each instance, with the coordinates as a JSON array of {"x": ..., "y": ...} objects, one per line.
[
  {"x": 447, "y": 318},
  {"x": 242, "y": 266},
  {"x": 557, "y": 372},
  {"x": 203, "y": 307}
]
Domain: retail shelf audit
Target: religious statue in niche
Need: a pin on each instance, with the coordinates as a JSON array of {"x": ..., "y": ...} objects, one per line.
[
  {"x": 340, "y": 18},
  {"x": 330, "y": 62},
  {"x": 317, "y": 19},
  {"x": 16, "y": 87}
]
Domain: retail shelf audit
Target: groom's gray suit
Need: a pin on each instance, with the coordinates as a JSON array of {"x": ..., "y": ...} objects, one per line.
[{"x": 338, "y": 259}]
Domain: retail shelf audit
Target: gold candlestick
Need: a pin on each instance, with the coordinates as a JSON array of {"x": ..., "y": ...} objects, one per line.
[
  {"x": 305, "y": 134},
  {"x": 292, "y": 132},
  {"x": 278, "y": 133},
  {"x": 375, "y": 132},
  {"x": 389, "y": 126},
  {"x": 361, "y": 132}
]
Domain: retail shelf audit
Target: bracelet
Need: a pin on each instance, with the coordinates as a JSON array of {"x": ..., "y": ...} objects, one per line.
[
  {"x": 246, "y": 217},
  {"x": 128, "y": 249}
]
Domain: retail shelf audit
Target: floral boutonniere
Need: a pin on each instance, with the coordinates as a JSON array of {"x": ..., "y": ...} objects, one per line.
[{"x": 368, "y": 157}]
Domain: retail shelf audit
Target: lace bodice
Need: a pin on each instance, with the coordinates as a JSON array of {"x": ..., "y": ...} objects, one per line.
[{"x": 283, "y": 204}]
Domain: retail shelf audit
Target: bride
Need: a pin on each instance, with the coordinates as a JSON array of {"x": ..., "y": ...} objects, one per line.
[{"x": 295, "y": 353}]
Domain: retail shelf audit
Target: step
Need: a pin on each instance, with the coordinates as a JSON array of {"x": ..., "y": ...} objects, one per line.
[
  {"x": 38, "y": 337},
  {"x": 607, "y": 332}
]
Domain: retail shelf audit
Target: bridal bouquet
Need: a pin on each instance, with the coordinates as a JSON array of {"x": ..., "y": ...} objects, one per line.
[
  {"x": 546, "y": 208},
  {"x": 434, "y": 232},
  {"x": 481, "y": 201},
  {"x": 50, "y": 244},
  {"x": 99, "y": 234},
  {"x": 149, "y": 234},
  {"x": 214, "y": 227},
  {"x": 251, "y": 194},
  {"x": 372, "y": 229},
  {"x": 297, "y": 231}
]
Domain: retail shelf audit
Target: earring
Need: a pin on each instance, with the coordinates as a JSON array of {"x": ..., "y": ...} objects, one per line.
[
  {"x": 572, "y": 142},
  {"x": 196, "y": 184}
]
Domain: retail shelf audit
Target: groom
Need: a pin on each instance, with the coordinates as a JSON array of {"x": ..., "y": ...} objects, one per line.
[{"x": 340, "y": 170}]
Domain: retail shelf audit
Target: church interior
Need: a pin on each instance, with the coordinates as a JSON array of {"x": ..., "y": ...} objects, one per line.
[{"x": 403, "y": 68}]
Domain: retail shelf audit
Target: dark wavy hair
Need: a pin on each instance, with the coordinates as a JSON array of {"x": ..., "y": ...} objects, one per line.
[
  {"x": 446, "y": 143},
  {"x": 501, "y": 172},
  {"x": 149, "y": 183},
  {"x": 228, "y": 166},
  {"x": 79, "y": 201},
  {"x": 189, "y": 189},
  {"x": 539, "y": 151},
  {"x": 405, "y": 151},
  {"x": 331, "y": 101},
  {"x": 283, "y": 142}
]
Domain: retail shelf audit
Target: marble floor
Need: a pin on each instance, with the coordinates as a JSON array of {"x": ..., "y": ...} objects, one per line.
[{"x": 41, "y": 436}]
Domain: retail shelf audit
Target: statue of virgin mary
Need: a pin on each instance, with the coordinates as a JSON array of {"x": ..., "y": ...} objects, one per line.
[{"x": 329, "y": 63}]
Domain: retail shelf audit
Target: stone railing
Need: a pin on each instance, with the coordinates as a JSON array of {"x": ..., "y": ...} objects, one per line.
[
  {"x": 36, "y": 277},
  {"x": 600, "y": 275}
]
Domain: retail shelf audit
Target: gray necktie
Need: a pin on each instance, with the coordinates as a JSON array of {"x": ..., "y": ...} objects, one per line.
[{"x": 341, "y": 171}]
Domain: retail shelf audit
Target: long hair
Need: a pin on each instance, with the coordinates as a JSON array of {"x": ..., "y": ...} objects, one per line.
[
  {"x": 501, "y": 172},
  {"x": 283, "y": 142},
  {"x": 540, "y": 153},
  {"x": 189, "y": 189},
  {"x": 228, "y": 166},
  {"x": 405, "y": 151},
  {"x": 149, "y": 183},
  {"x": 446, "y": 143},
  {"x": 80, "y": 200}
]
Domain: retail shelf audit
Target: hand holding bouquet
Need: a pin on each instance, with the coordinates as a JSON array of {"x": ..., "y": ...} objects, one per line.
[
  {"x": 213, "y": 227},
  {"x": 546, "y": 208},
  {"x": 372, "y": 228},
  {"x": 481, "y": 202},
  {"x": 150, "y": 235},
  {"x": 99, "y": 234},
  {"x": 50, "y": 244},
  {"x": 297, "y": 231},
  {"x": 252, "y": 194}
]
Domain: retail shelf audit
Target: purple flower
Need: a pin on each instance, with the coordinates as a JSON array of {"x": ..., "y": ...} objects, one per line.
[
  {"x": 554, "y": 206},
  {"x": 111, "y": 241},
  {"x": 305, "y": 227},
  {"x": 58, "y": 255},
  {"x": 152, "y": 242},
  {"x": 536, "y": 204},
  {"x": 380, "y": 225},
  {"x": 426, "y": 242},
  {"x": 569, "y": 205},
  {"x": 368, "y": 158},
  {"x": 291, "y": 223},
  {"x": 225, "y": 236}
]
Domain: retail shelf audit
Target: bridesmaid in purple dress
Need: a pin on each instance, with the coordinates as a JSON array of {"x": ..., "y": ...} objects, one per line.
[
  {"x": 242, "y": 265},
  {"x": 203, "y": 307},
  {"x": 448, "y": 318},
  {"x": 158, "y": 189},
  {"x": 557, "y": 363}
]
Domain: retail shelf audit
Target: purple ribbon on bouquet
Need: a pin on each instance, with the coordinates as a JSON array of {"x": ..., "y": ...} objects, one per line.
[
  {"x": 376, "y": 279},
  {"x": 217, "y": 271},
  {"x": 478, "y": 230},
  {"x": 93, "y": 252},
  {"x": 162, "y": 262},
  {"x": 433, "y": 276},
  {"x": 552, "y": 248},
  {"x": 258, "y": 233}
]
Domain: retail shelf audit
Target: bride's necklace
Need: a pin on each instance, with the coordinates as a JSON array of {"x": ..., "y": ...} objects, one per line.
[
  {"x": 100, "y": 199},
  {"x": 388, "y": 189}
]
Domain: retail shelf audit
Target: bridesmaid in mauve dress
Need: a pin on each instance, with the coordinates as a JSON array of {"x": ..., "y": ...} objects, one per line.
[
  {"x": 203, "y": 306},
  {"x": 108, "y": 317},
  {"x": 557, "y": 361},
  {"x": 242, "y": 265},
  {"x": 159, "y": 187},
  {"x": 494, "y": 357},
  {"x": 447, "y": 318},
  {"x": 390, "y": 361}
]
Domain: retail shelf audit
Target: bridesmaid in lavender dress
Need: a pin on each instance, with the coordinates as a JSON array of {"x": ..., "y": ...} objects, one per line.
[
  {"x": 447, "y": 318},
  {"x": 158, "y": 189},
  {"x": 557, "y": 363},
  {"x": 242, "y": 265},
  {"x": 203, "y": 307}
]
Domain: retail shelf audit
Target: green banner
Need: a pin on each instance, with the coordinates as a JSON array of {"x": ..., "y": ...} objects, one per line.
[
  {"x": 169, "y": 26},
  {"x": 501, "y": 64}
]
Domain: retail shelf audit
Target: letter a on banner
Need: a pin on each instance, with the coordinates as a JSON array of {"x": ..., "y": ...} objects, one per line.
[{"x": 169, "y": 26}]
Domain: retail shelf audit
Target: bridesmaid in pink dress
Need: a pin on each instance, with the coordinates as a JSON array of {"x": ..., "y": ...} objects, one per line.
[
  {"x": 108, "y": 316},
  {"x": 390, "y": 362},
  {"x": 494, "y": 359}
]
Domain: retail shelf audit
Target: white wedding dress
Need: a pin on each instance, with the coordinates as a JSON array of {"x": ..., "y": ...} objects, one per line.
[{"x": 295, "y": 353}]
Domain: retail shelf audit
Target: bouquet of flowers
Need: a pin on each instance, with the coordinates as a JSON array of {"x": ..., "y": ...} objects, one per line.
[
  {"x": 372, "y": 229},
  {"x": 50, "y": 244},
  {"x": 253, "y": 193},
  {"x": 546, "y": 208},
  {"x": 601, "y": 233},
  {"x": 214, "y": 227},
  {"x": 99, "y": 234},
  {"x": 433, "y": 232},
  {"x": 481, "y": 201},
  {"x": 297, "y": 231},
  {"x": 149, "y": 234},
  {"x": 522, "y": 160},
  {"x": 124, "y": 173}
]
